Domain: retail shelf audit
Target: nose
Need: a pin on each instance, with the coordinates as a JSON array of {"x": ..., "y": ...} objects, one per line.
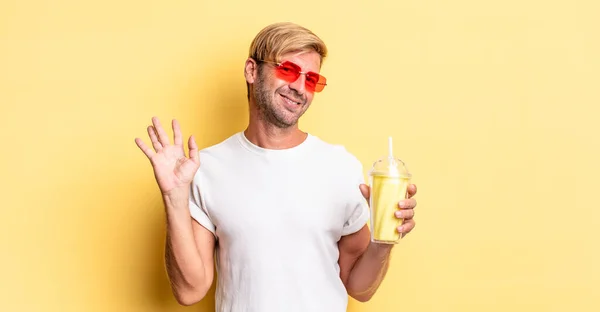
[{"x": 299, "y": 85}]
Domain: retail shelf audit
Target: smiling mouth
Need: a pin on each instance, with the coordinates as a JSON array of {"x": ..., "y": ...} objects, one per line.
[{"x": 289, "y": 100}]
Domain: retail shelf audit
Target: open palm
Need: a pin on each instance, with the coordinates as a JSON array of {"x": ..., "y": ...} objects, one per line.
[{"x": 172, "y": 169}]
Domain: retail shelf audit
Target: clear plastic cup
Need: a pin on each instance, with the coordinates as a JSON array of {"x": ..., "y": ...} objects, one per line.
[{"x": 389, "y": 179}]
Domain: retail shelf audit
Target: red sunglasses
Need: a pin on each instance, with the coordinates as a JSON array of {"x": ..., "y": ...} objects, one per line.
[{"x": 290, "y": 72}]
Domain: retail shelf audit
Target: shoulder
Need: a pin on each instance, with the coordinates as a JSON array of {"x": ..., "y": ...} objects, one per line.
[
  {"x": 335, "y": 151},
  {"x": 336, "y": 154},
  {"x": 214, "y": 159},
  {"x": 223, "y": 149}
]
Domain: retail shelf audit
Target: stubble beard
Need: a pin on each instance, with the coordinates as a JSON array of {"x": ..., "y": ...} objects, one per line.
[{"x": 268, "y": 109}]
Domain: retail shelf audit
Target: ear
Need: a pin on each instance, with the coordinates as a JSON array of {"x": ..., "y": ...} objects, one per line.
[{"x": 251, "y": 70}]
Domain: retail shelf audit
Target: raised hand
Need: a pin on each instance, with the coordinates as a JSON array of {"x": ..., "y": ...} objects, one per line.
[{"x": 172, "y": 169}]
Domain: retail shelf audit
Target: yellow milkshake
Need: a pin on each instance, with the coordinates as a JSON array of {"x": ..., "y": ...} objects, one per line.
[
  {"x": 389, "y": 180},
  {"x": 386, "y": 192}
]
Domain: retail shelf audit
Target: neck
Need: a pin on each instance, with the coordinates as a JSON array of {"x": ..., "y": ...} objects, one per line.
[{"x": 266, "y": 135}]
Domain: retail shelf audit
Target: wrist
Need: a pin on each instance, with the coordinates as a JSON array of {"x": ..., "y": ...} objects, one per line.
[
  {"x": 381, "y": 249},
  {"x": 177, "y": 195}
]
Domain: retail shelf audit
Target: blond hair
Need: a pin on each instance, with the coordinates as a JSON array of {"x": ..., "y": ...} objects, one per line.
[{"x": 278, "y": 39}]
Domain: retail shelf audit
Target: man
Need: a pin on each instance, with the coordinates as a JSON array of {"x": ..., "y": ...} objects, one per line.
[{"x": 284, "y": 212}]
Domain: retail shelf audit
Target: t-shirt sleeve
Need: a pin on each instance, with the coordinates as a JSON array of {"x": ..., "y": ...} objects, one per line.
[
  {"x": 357, "y": 213},
  {"x": 198, "y": 209}
]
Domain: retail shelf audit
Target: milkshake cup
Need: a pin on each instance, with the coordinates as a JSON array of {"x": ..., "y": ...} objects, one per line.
[{"x": 389, "y": 179}]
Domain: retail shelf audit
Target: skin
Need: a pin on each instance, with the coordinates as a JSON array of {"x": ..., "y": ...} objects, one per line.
[{"x": 273, "y": 124}]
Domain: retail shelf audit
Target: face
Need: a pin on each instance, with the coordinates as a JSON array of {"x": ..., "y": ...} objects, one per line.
[{"x": 282, "y": 103}]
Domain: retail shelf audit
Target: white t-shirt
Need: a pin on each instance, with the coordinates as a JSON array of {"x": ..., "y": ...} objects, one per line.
[{"x": 277, "y": 216}]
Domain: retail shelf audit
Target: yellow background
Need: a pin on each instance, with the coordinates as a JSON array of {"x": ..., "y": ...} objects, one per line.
[{"x": 492, "y": 104}]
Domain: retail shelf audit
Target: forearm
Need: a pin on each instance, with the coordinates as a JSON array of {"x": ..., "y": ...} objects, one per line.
[
  {"x": 185, "y": 268},
  {"x": 369, "y": 271}
]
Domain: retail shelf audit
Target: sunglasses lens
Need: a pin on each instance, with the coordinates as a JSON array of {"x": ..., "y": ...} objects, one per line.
[
  {"x": 290, "y": 72},
  {"x": 320, "y": 85}
]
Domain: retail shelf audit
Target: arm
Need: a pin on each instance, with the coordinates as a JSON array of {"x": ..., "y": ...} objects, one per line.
[
  {"x": 189, "y": 247},
  {"x": 189, "y": 252},
  {"x": 364, "y": 264}
]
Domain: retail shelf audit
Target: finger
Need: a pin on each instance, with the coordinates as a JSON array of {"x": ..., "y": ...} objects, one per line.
[
  {"x": 162, "y": 135},
  {"x": 146, "y": 149},
  {"x": 177, "y": 140},
  {"x": 152, "y": 134},
  {"x": 193, "y": 150},
  {"x": 405, "y": 214},
  {"x": 365, "y": 190},
  {"x": 407, "y": 226},
  {"x": 407, "y": 203},
  {"x": 412, "y": 190}
]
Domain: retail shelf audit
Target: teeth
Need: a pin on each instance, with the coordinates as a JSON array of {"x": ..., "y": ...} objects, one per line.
[{"x": 290, "y": 101}]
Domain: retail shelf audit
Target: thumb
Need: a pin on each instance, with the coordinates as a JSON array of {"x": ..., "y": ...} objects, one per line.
[
  {"x": 365, "y": 190},
  {"x": 193, "y": 150}
]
